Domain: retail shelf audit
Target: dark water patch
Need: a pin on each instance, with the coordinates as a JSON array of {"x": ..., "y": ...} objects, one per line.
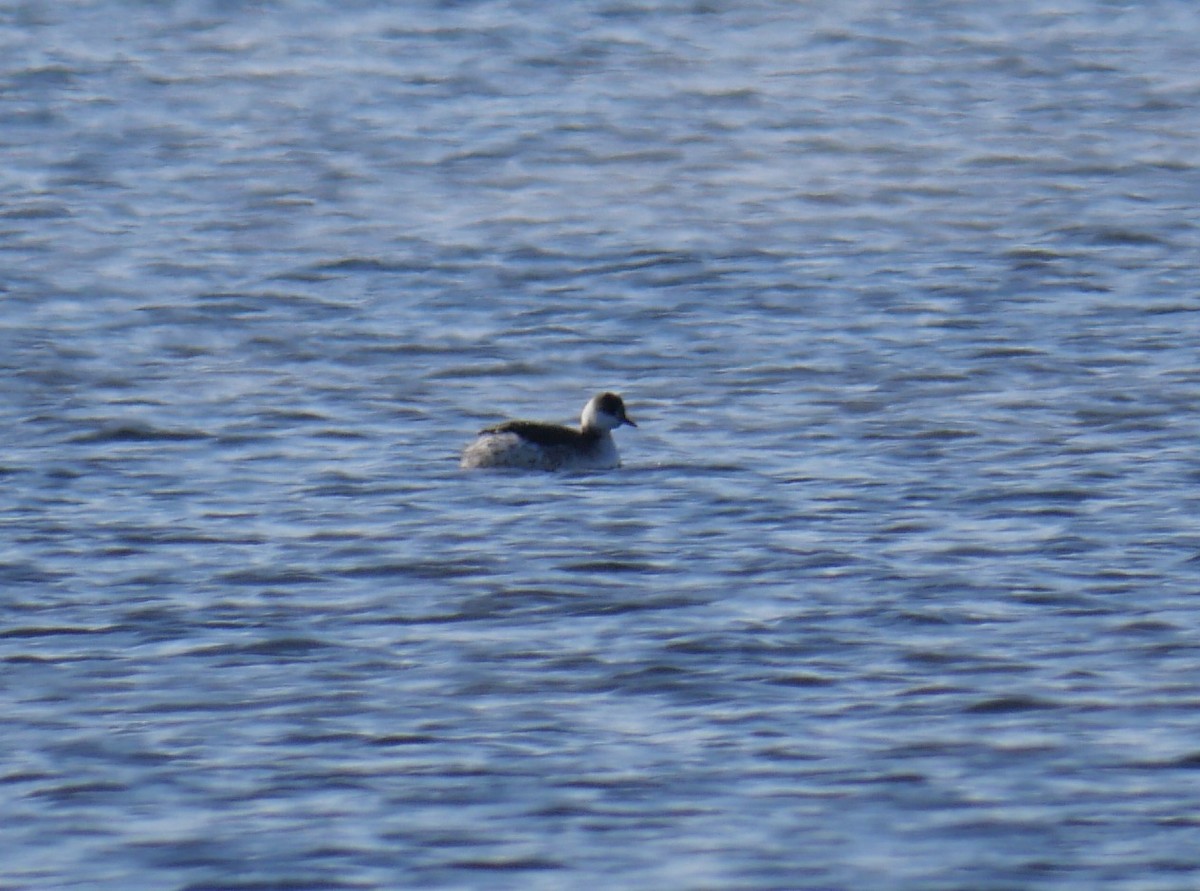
[
  {"x": 132, "y": 432},
  {"x": 1168, "y": 308},
  {"x": 276, "y": 304},
  {"x": 305, "y": 739},
  {"x": 136, "y": 538},
  {"x": 1189, "y": 761},
  {"x": 924, "y": 618},
  {"x": 271, "y": 577},
  {"x": 507, "y": 864},
  {"x": 285, "y": 647},
  {"x": 946, "y": 434},
  {"x": 404, "y": 739},
  {"x": 1147, "y": 627},
  {"x": 486, "y": 370},
  {"x": 1037, "y": 255},
  {"x": 1132, "y": 419},
  {"x": 419, "y": 569},
  {"x": 344, "y": 433},
  {"x": 605, "y": 567},
  {"x": 825, "y": 560},
  {"x": 31, "y": 574},
  {"x": 36, "y": 211},
  {"x": 26, "y": 776},
  {"x": 288, "y": 417},
  {"x": 1014, "y": 703},
  {"x": 637, "y": 261},
  {"x": 508, "y": 601},
  {"x": 600, "y": 606},
  {"x": 801, "y": 679},
  {"x": 287, "y": 883},
  {"x": 76, "y": 793},
  {"x": 33, "y": 659},
  {"x": 1024, "y": 495},
  {"x": 654, "y": 678},
  {"x": 1075, "y": 601},
  {"x": 370, "y": 265},
  {"x": 967, "y": 664},
  {"x": 966, "y": 552},
  {"x": 1111, "y": 236},
  {"x": 56, "y": 631},
  {"x": 924, "y": 691},
  {"x": 930, "y": 657}
]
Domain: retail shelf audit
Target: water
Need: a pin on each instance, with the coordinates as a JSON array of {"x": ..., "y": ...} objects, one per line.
[{"x": 898, "y": 585}]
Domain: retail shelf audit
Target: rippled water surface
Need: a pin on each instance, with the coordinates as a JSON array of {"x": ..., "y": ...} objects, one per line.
[{"x": 898, "y": 587}]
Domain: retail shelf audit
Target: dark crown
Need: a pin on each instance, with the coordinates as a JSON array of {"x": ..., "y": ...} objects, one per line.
[{"x": 611, "y": 404}]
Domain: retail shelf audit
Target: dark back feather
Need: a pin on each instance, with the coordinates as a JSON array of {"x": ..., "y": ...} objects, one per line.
[{"x": 546, "y": 435}]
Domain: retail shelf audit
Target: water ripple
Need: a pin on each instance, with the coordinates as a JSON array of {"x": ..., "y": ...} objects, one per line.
[{"x": 894, "y": 589}]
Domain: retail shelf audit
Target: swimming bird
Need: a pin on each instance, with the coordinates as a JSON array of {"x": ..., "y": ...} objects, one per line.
[{"x": 531, "y": 445}]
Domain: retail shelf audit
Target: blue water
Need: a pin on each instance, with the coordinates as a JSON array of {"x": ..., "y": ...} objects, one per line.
[{"x": 899, "y": 585}]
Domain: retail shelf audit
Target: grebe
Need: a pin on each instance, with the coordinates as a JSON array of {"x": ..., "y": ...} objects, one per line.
[{"x": 533, "y": 446}]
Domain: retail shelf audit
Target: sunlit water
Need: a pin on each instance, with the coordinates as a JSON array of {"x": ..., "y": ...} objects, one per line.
[{"x": 896, "y": 589}]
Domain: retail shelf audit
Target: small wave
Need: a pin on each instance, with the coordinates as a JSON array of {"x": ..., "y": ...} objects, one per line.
[
  {"x": 135, "y": 432},
  {"x": 1014, "y": 702}
]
